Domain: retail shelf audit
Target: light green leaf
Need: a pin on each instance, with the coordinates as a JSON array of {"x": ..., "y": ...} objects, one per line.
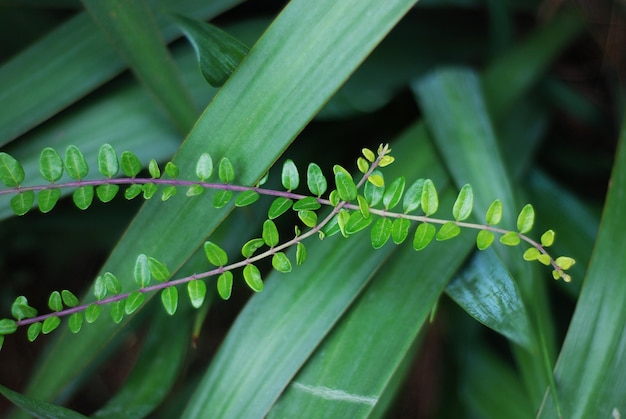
[
  {"x": 430, "y": 200},
  {"x": 131, "y": 166},
  {"x": 394, "y": 192},
  {"x": 270, "y": 233},
  {"x": 334, "y": 198},
  {"x": 362, "y": 165},
  {"x": 75, "y": 163},
  {"x": 484, "y": 238},
  {"x": 424, "y": 234},
  {"x": 141, "y": 273},
  {"x": 111, "y": 283},
  {"x": 400, "y": 230},
  {"x": 55, "y": 302},
  {"x": 373, "y": 192},
  {"x": 510, "y": 239},
  {"x": 47, "y": 199},
  {"x": 376, "y": 179},
  {"x": 251, "y": 246},
  {"x": 448, "y": 231},
  {"x": 290, "y": 177},
  {"x": 133, "y": 302},
  {"x": 75, "y": 322},
  {"x": 531, "y": 254},
  {"x": 279, "y": 206},
  {"x": 252, "y": 276},
  {"x": 345, "y": 186},
  {"x": 33, "y": 331},
  {"x": 107, "y": 161},
  {"x": 168, "y": 192},
  {"x": 300, "y": 253},
  {"x": 215, "y": 254},
  {"x": 369, "y": 154},
  {"x": 246, "y": 198},
  {"x": 315, "y": 180},
  {"x": 357, "y": 222},
  {"x": 204, "y": 167},
  {"x": 197, "y": 292},
  {"x": 464, "y": 203},
  {"x": 69, "y": 299},
  {"x": 194, "y": 190},
  {"x": 413, "y": 196},
  {"x": 380, "y": 233},
  {"x": 526, "y": 219},
  {"x": 309, "y": 218},
  {"x": 107, "y": 192},
  {"x": 281, "y": 262},
  {"x": 11, "y": 171},
  {"x": 169, "y": 298},
  {"x": 308, "y": 203},
  {"x": 50, "y": 324},
  {"x": 153, "y": 169},
  {"x": 547, "y": 238},
  {"x": 225, "y": 285},
  {"x": 22, "y": 202},
  {"x": 226, "y": 171},
  {"x": 494, "y": 213},
  {"x": 92, "y": 313},
  {"x": 221, "y": 198},
  {"x": 565, "y": 262},
  {"x": 158, "y": 269},
  {"x": 83, "y": 197},
  {"x": 50, "y": 164},
  {"x": 117, "y": 311}
]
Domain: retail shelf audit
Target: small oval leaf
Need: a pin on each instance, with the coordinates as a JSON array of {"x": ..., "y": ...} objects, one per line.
[
  {"x": 69, "y": 299},
  {"x": 54, "y": 301},
  {"x": 290, "y": 177},
  {"x": 308, "y": 203},
  {"x": 494, "y": 213},
  {"x": 309, "y": 218},
  {"x": 75, "y": 163},
  {"x": 22, "y": 202},
  {"x": 11, "y": 171},
  {"x": 526, "y": 219},
  {"x": 117, "y": 311},
  {"x": 424, "y": 234},
  {"x": 141, "y": 272},
  {"x": 107, "y": 161},
  {"x": 464, "y": 203},
  {"x": 133, "y": 302},
  {"x": 33, "y": 331},
  {"x": 246, "y": 198},
  {"x": 158, "y": 269},
  {"x": 83, "y": 197},
  {"x": 92, "y": 313},
  {"x": 357, "y": 222},
  {"x": 226, "y": 171},
  {"x": 75, "y": 322},
  {"x": 400, "y": 230},
  {"x": 215, "y": 254},
  {"x": 251, "y": 246},
  {"x": 47, "y": 199},
  {"x": 50, "y": 165},
  {"x": 169, "y": 298},
  {"x": 413, "y": 196},
  {"x": 315, "y": 180},
  {"x": 204, "y": 167},
  {"x": 107, "y": 192},
  {"x": 510, "y": 239},
  {"x": 430, "y": 200},
  {"x": 131, "y": 166},
  {"x": 270, "y": 233},
  {"x": 279, "y": 206},
  {"x": 448, "y": 231},
  {"x": 281, "y": 262},
  {"x": 225, "y": 285},
  {"x": 300, "y": 254},
  {"x": 345, "y": 186},
  {"x": 380, "y": 233},
  {"x": 222, "y": 198},
  {"x": 394, "y": 192},
  {"x": 50, "y": 324},
  {"x": 252, "y": 276},
  {"x": 197, "y": 292},
  {"x": 547, "y": 238},
  {"x": 484, "y": 238}
]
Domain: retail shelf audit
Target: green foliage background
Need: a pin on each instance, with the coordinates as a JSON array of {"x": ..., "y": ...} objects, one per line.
[{"x": 465, "y": 92}]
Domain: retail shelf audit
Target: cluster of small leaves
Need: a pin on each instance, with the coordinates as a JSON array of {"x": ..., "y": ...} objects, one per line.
[{"x": 355, "y": 206}]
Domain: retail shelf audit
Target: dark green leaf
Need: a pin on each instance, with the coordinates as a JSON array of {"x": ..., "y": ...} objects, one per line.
[
  {"x": 92, "y": 313},
  {"x": 107, "y": 161},
  {"x": 380, "y": 233},
  {"x": 424, "y": 234},
  {"x": 158, "y": 269},
  {"x": 526, "y": 219},
  {"x": 75, "y": 322},
  {"x": 357, "y": 222},
  {"x": 226, "y": 170},
  {"x": 252, "y": 276},
  {"x": 75, "y": 163},
  {"x": 83, "y": 197},
  {"x": 464, "y": 203},
  {"x": 197, "y": 292},
  {"x": 345, "y": 186},
  {"x": 50, "y": 165},
  {"x": 11, "y": 171},
  {"x": 222, "y": 198},
  {"x": 22, "y": 202},
  {"x": 308, "y": 203},
  {"x": 270, "y": 233},
  {"x": 430, "y": 200},
  {"x": 49, "y": 324},
  {"x": 106, "y": 192},
  {"x": 309, "y": 218},
  {"x": 117, "y": 311},
  {"x": 246, "y": 198},
  {"x": 69, "y": 299},
  {"x": 251, "y": 246},
  {"x": 133, "y": 302},
  {"x": 141, "y": 273},
  {"x": 281, "y": 262},
  {"x": 33, "y": 331},
  {"x": 315, "y": 180},
  {"x": 131, "y": 166},
  {"x": 279, "y": 206},
  {"x": 215, "y": 254},
  {"x": 400, "y": 230},
  {"x": 290, "y": 177},
  {"x": 47, "y": 199},
  {"x": 448, "y": 231},
  {"x": 39, "y": 408},
  {"x": 394, "y": 192},
  {"x": 204, "y": 167},
  {"x": 225, "y": 285},
  {"x": 54, "y": 301}
]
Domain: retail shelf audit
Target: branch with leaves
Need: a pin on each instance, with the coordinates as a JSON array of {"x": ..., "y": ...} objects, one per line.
[{"x": 354, "y": 207}]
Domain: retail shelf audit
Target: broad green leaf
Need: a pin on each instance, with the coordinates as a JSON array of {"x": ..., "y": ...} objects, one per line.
[
  {"x": 315, "y": 180},
  {"x": 55, "y": 302},
  {"x": 281, "y": 262},
  {"x": 430, "y": 200},
  {"x": 7, "y": 326},
  {"x": 221, "y": 198},
  {"x": 484, "y": 238},
  {"x": 50, "y": 164},
  {"x": 464, "y": 203},
  {"x": 134, "y": 300},
  {"x": 246, "y": 198},
  {"x": 424, "y": 234},
  {"x": 252, "y": 276},
  {"x": 22, "y": 202},
  {"x": 75, "y": 322},
  {"x": 158, "y": 269},
  {"x": 107, "y": 161},
  {"x": 171, "y": 170},
  {"x": 168, "y": 192},
  {"x": 217, "y": 52},
  {"x": 197, "y": 292},
  {"x": 107, "y": 192},
  {"x": 494, "y": 213},
  {"x": 215, "y": 254},
  {"x": 309, "y": 218},
  {"x": 169, "y": 298},
  {"x": 131, "y": 166},
  {"x": 83, "y": 197},
  {"x": 345, "y": 186},
  {"x": 141, "y": 273},
  {"x": 92, "y": 313},
  {"x": 251, "y": 246},
  {"x": 526, "y": 219},
  {"x": 226, "y": 171},
  {"x": 448, "y": 231},
  {"x": 510, "y": 239},
  {"x": 413, "y": 196},
  {"x": 400, "y": 230},
  {"x": 394, "y": 192},
  {"x": 373, "y": 193},
  {"x": 33, "y": 331},
  {"x": 69, "y": 299},
  {"x": 155, "y": 171},
  {"x": 204, "y": 167},
  {"x": 11, "y": 171},
  {"x": 39, "y": 408},
  {"x": 117, "y": 311},
  {"x": 278, "y": 207},
  {"x": 300, "y": 254},
  {"x": 357, "y": 222},
  {"x": 290, "y": 178},
  {"x": 225, "y": 285},
  {"x": 47, "y": 199},
  {"x": 308, "y": 203},
  {"x": 270, "y": 233},
  {"x": 50, "y": 324},
  {"x": 75, "y": 163},
  {"x": 380, "y": 233}
]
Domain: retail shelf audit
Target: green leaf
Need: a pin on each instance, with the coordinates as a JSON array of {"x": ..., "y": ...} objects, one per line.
[
  {"x": 333, "y": 197},
  {"x": 252, "y": 276},
  {"x": 393, "y": 194},
  {"x": 158, "y": 269},
  {"x": 171, "y": 170},
  {"x": 251, "y": 246},
  {"x": 153, "y": 169},
  {"x": 448, "y": 231},
  {"x": 369, "y": 155},
  {"x": 357, "y": 222},
  {"x": 197, "y": 292},
  {"x": 308, "y": 203},
  {"x": 484, "y": 238},
  {"x": 494, "y": 213},
  {"x": 281, "y": 262},
  {"x": 300, "y": 253},
  {"x": 149, "y": 189},
  {"x": 75, "y": 322},
  {"x": 83, "y": 197},
  {"x": 106, "y": 192},
  {"x": 309, "y": 218},
  {"x": 464, "y": 203},
  {"x": 510, "y": 239},
  {"x": 22, "y": 202},
  {"x": 565, "y": 262},
  {"x": 225, "y": 285},
  {"x": 215, "y": 254},
  {"x": 7, "y": 326},
  {"x": 547, "y": 238},
  {"x": 424, "y": 234},
  {"x": 131, "y": 166},
  {"x": 141, "y": 273},
  {"x": 430, "y": 200},
  {"x": 194, "y": 190},
  {"x": 279, "y": 206},
  {"x": 11, "y": 171},
  {"x": 400, "y": 230},
  {"x": 132, "y": 191},
  {"x": 364, "y": 207},
  {"x": 47, "y": 199},
  {"x": 290, "y": 177},
  {"x": 218, "y": 53},
  {"x": 526, "y": 219},
  {"x": 345, "y": 186},
  {"x": 107, "y": 161},
  {"x": 54, "y": 301},
  {"x": 222, "y": 198},
  {"x": 33, "y": 331},
  {"x": 49, "y": 324},
  {"x": 75, "y": 163},
  {"x": 226, "y": 170},
  {"x": 246, "y": 198},
  {"x": 50, "y": 164},
  {"x": 331, "y": 228},
  {"x": 362, "y": 165},
  {"x": 111, "y": 283},
  {"x": 39, "y": 408},
  {"x": 315, "y": 180},
  {"x": 204, "y": 167},
  {"x": 270, "y": 233},
  {"x": 99, "y": 288},
  {"x": 531, "y": 254},
  {"x": 380, "y": 233},
  {"x": 376, "y": 179},
  {"x": 342, "y": 220},
  {"x": 21, "y": 310},
  {"x": 69, "y": 299},
  {"x": 413, "y": 196},
  {"x": 117, "y": 311},
  {"x": 92, "y": 313},
  {"x": 134, "y": 300}
]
